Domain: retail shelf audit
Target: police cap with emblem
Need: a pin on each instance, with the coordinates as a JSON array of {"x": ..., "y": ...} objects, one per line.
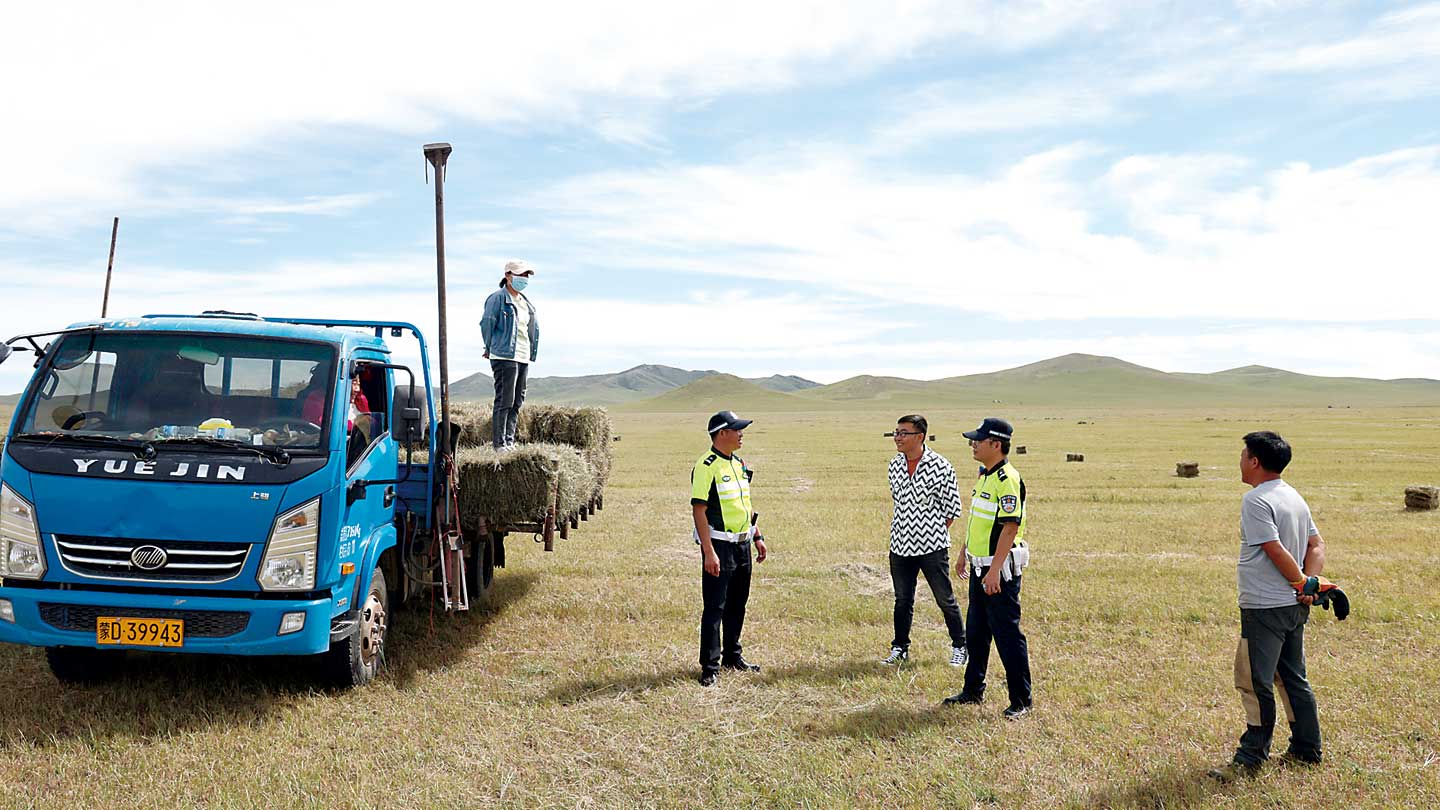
[
  {"x": 991, "y": 428},
  {"x": 727, "y": 420}
]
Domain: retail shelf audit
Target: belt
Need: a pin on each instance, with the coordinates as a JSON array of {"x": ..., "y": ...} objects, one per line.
[{"x": 729, "y": 537}]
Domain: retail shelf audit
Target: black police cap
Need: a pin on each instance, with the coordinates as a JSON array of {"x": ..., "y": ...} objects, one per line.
[
  {"x": 991, "y": 428},
  {"x": 727, "y": 420}
]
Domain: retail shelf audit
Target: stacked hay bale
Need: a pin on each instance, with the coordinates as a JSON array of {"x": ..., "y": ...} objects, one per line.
[
  {"x": 563, "y": 460},
  {"x": 1074, "y": 456},
  {"x": 1422, "y": 497},
  {"x": 1187, "y": 469}
]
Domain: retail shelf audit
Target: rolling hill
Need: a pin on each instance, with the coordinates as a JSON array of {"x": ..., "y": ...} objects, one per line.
[
  {"x": 725, "y": 392},
  {"x": 640, "y": 382}
]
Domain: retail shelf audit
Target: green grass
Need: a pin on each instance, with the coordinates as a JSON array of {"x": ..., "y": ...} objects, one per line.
[{"x": 574, "y": 687}]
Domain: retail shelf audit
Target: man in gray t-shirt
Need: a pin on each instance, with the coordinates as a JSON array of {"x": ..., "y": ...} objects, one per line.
[{"x": 1277, "y": 538}]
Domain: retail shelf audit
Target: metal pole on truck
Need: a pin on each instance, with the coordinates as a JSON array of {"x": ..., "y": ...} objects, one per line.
[
  {"x": 452, "y": 559},
  {"x": 438, "y": 154},
  {"x": 109, "y": 268}
]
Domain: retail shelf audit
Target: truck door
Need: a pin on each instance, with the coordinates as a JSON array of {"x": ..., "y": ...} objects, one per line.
[{"x": 370, "y": 455}]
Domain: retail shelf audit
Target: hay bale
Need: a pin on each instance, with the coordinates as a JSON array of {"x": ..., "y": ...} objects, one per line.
[
  {"x": 1187, "y": 469},
  {"x": 1020, "y": 450},
  {"x": 1422, "y": 498},
  {"x": 1074, "y": 456},
  {"x": 519, "y": 484},
  {"x": 586, "y": 429}
]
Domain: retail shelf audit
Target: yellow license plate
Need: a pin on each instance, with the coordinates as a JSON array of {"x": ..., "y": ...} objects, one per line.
[{"x": 140, "y": 632}]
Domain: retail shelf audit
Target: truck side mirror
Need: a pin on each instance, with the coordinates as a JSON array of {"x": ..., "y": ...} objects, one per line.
[
  {"x": 410, "y": 419},
  {"x": 5, "y": 351}
]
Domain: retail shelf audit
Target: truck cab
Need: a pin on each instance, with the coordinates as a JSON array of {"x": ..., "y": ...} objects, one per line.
[{"x": 217, "y": 483}]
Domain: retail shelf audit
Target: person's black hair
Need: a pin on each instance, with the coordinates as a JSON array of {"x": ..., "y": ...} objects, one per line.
[
  {"x": 1004, "y": 445},
  {"x": 916, "y": 421},
  {"x": 1269, "y": 449},
  {"x": 503, "y": 279}
]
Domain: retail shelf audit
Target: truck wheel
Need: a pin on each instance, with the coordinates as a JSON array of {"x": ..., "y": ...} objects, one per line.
[
  {"x": 83, "y": 665},
  {"x": 356, "y": 659},
  {"x": 480, "y": 568}
]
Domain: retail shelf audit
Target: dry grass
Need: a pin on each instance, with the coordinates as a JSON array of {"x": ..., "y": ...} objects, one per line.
[{"x": 574, "y": 687}]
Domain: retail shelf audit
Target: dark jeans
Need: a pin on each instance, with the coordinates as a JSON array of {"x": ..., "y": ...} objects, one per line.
[
  {"x": 936, "y": 568},
  {"x": 997, "y": 617},
  {"x": 725, "y": 597},
  {"x": 1272, "y": 651},
  {"x": 509, "y": 396}
]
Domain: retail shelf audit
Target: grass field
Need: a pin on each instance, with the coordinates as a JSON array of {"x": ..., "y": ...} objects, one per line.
[{"x": 575, "y": 686}]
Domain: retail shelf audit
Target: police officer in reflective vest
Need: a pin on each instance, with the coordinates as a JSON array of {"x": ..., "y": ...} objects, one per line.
[
  {"x": 725, "y": 528},
  {"x": 996, "y": 552}
]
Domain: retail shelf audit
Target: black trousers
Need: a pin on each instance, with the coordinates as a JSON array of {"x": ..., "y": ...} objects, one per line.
[
  {"x": 904, "y": 572},
  {"x": 725, "y": 597},
  {"x": 1272, "y": 651},
  {"x": 509, "y": 396},
  {"x": 997, "y": 617}
]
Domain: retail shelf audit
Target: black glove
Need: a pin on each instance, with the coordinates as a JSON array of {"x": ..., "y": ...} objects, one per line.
[{"x": 1336, "y": 597}]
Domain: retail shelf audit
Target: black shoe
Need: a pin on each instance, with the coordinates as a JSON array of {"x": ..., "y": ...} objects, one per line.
[
  {"x": 1015, "y": 711},
  {"x": 1232, "y": 772},
  {"x": 1292, "y": 758},
  {"x": 963, "y": 699},
  {"x": 709, "y": 677},
  {"x": 741, "y": 665}
]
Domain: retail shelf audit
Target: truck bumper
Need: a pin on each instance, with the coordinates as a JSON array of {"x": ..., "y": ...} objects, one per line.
[{"x": 227, "y": 626}]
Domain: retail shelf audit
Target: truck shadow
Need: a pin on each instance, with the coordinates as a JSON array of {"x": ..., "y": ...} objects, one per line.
[
  {"x": 423, "y": 639},
  {"x": 158, "y": 696}
]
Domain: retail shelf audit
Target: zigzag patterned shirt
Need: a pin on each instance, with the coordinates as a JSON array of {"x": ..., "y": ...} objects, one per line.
[{"x": 922, "y": 504}]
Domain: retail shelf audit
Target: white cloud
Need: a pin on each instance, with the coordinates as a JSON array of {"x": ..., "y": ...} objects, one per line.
[
  {"x": 99, "y": 93},
  {"x": 1294, "y": 243}
]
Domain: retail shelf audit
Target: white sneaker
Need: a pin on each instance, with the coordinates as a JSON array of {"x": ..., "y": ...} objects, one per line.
[
  {"x": 896, "y": 657},
  {"x": 959, "y": 656}
]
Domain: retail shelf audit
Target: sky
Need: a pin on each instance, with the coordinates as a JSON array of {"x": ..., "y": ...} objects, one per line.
[{"x": 919, "y": 189}]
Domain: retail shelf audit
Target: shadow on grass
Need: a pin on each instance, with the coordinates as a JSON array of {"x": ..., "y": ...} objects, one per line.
[
  {"x": 1164, "y": 789},
  {"x": 423, "y": 640},
  {"x": 601, "y": 687},
  {"x": 158, "y": 695},
  {"x": 886, "y": 722}
]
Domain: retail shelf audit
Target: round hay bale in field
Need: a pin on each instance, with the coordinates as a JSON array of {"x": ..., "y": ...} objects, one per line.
[
  {"x": 1422, "y": 498},
  {"x": 1074, "y": 456},
  {"x": 1187, "y": 469}
]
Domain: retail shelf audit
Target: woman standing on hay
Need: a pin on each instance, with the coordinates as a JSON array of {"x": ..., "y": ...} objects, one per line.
[{"x": 512, "y": 342}]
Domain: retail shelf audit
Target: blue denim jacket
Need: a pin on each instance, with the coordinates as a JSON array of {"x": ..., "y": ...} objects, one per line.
[{"x": 497, "y": 325}]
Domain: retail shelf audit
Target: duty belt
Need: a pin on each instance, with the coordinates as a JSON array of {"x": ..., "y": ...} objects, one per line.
[{"x": 729, "y": 537}]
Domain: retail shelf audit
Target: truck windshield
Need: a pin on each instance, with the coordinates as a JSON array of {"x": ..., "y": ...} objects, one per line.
[{"x": 168, "y": 385}]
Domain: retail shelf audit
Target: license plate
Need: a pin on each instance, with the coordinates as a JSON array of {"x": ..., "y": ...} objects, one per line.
[{"x": 140, "y": 632}]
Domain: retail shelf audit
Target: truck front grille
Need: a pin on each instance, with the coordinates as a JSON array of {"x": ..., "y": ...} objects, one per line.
[
  {"x": 198, "y": 623},
  {"x": 185, "y": 561}
]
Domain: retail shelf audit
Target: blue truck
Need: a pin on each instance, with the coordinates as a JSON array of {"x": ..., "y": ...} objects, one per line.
[{"x": 226, "y": 483}]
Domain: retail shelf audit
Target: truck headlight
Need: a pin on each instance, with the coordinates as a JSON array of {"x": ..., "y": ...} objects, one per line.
[
  {"x": 289, "y": 561},
  {"x": 20, "y": 555}
]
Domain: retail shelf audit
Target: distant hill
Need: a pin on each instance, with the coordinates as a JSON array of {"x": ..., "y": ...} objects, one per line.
[
  {"x": 640, "y": 382},
  {"x": 726, "y": 392}
]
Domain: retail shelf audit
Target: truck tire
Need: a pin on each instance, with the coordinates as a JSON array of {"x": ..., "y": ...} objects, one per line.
[
  {"x": 357, "y": 658},
  {"x": 480, "y": 568},
  {"x": 84, "y": 665}
]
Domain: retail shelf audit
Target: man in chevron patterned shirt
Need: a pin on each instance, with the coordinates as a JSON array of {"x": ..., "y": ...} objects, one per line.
[{"x": 927, "y": 501}]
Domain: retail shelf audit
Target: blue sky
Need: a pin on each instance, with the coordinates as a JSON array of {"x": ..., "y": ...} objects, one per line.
[{"x": 920, "y": 189}]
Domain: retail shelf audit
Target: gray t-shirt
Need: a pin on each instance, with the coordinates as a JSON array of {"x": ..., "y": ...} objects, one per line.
[{"x": 1271, "y": 511}]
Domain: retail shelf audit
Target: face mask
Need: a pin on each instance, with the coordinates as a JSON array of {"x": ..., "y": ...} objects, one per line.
[{"x": 519, "y": 283}]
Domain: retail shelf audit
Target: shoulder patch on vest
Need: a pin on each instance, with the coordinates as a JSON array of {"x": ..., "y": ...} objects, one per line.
[
  {"x": 1001, "y": 474},
  {"x": 710, "y": 459},
  {"x": 1008, "y": 504}
]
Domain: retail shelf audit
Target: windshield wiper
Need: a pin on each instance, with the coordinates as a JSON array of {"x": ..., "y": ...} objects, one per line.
[
  {"x": 141, "y": 447},
  {"x": 279, "y": 455}
]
